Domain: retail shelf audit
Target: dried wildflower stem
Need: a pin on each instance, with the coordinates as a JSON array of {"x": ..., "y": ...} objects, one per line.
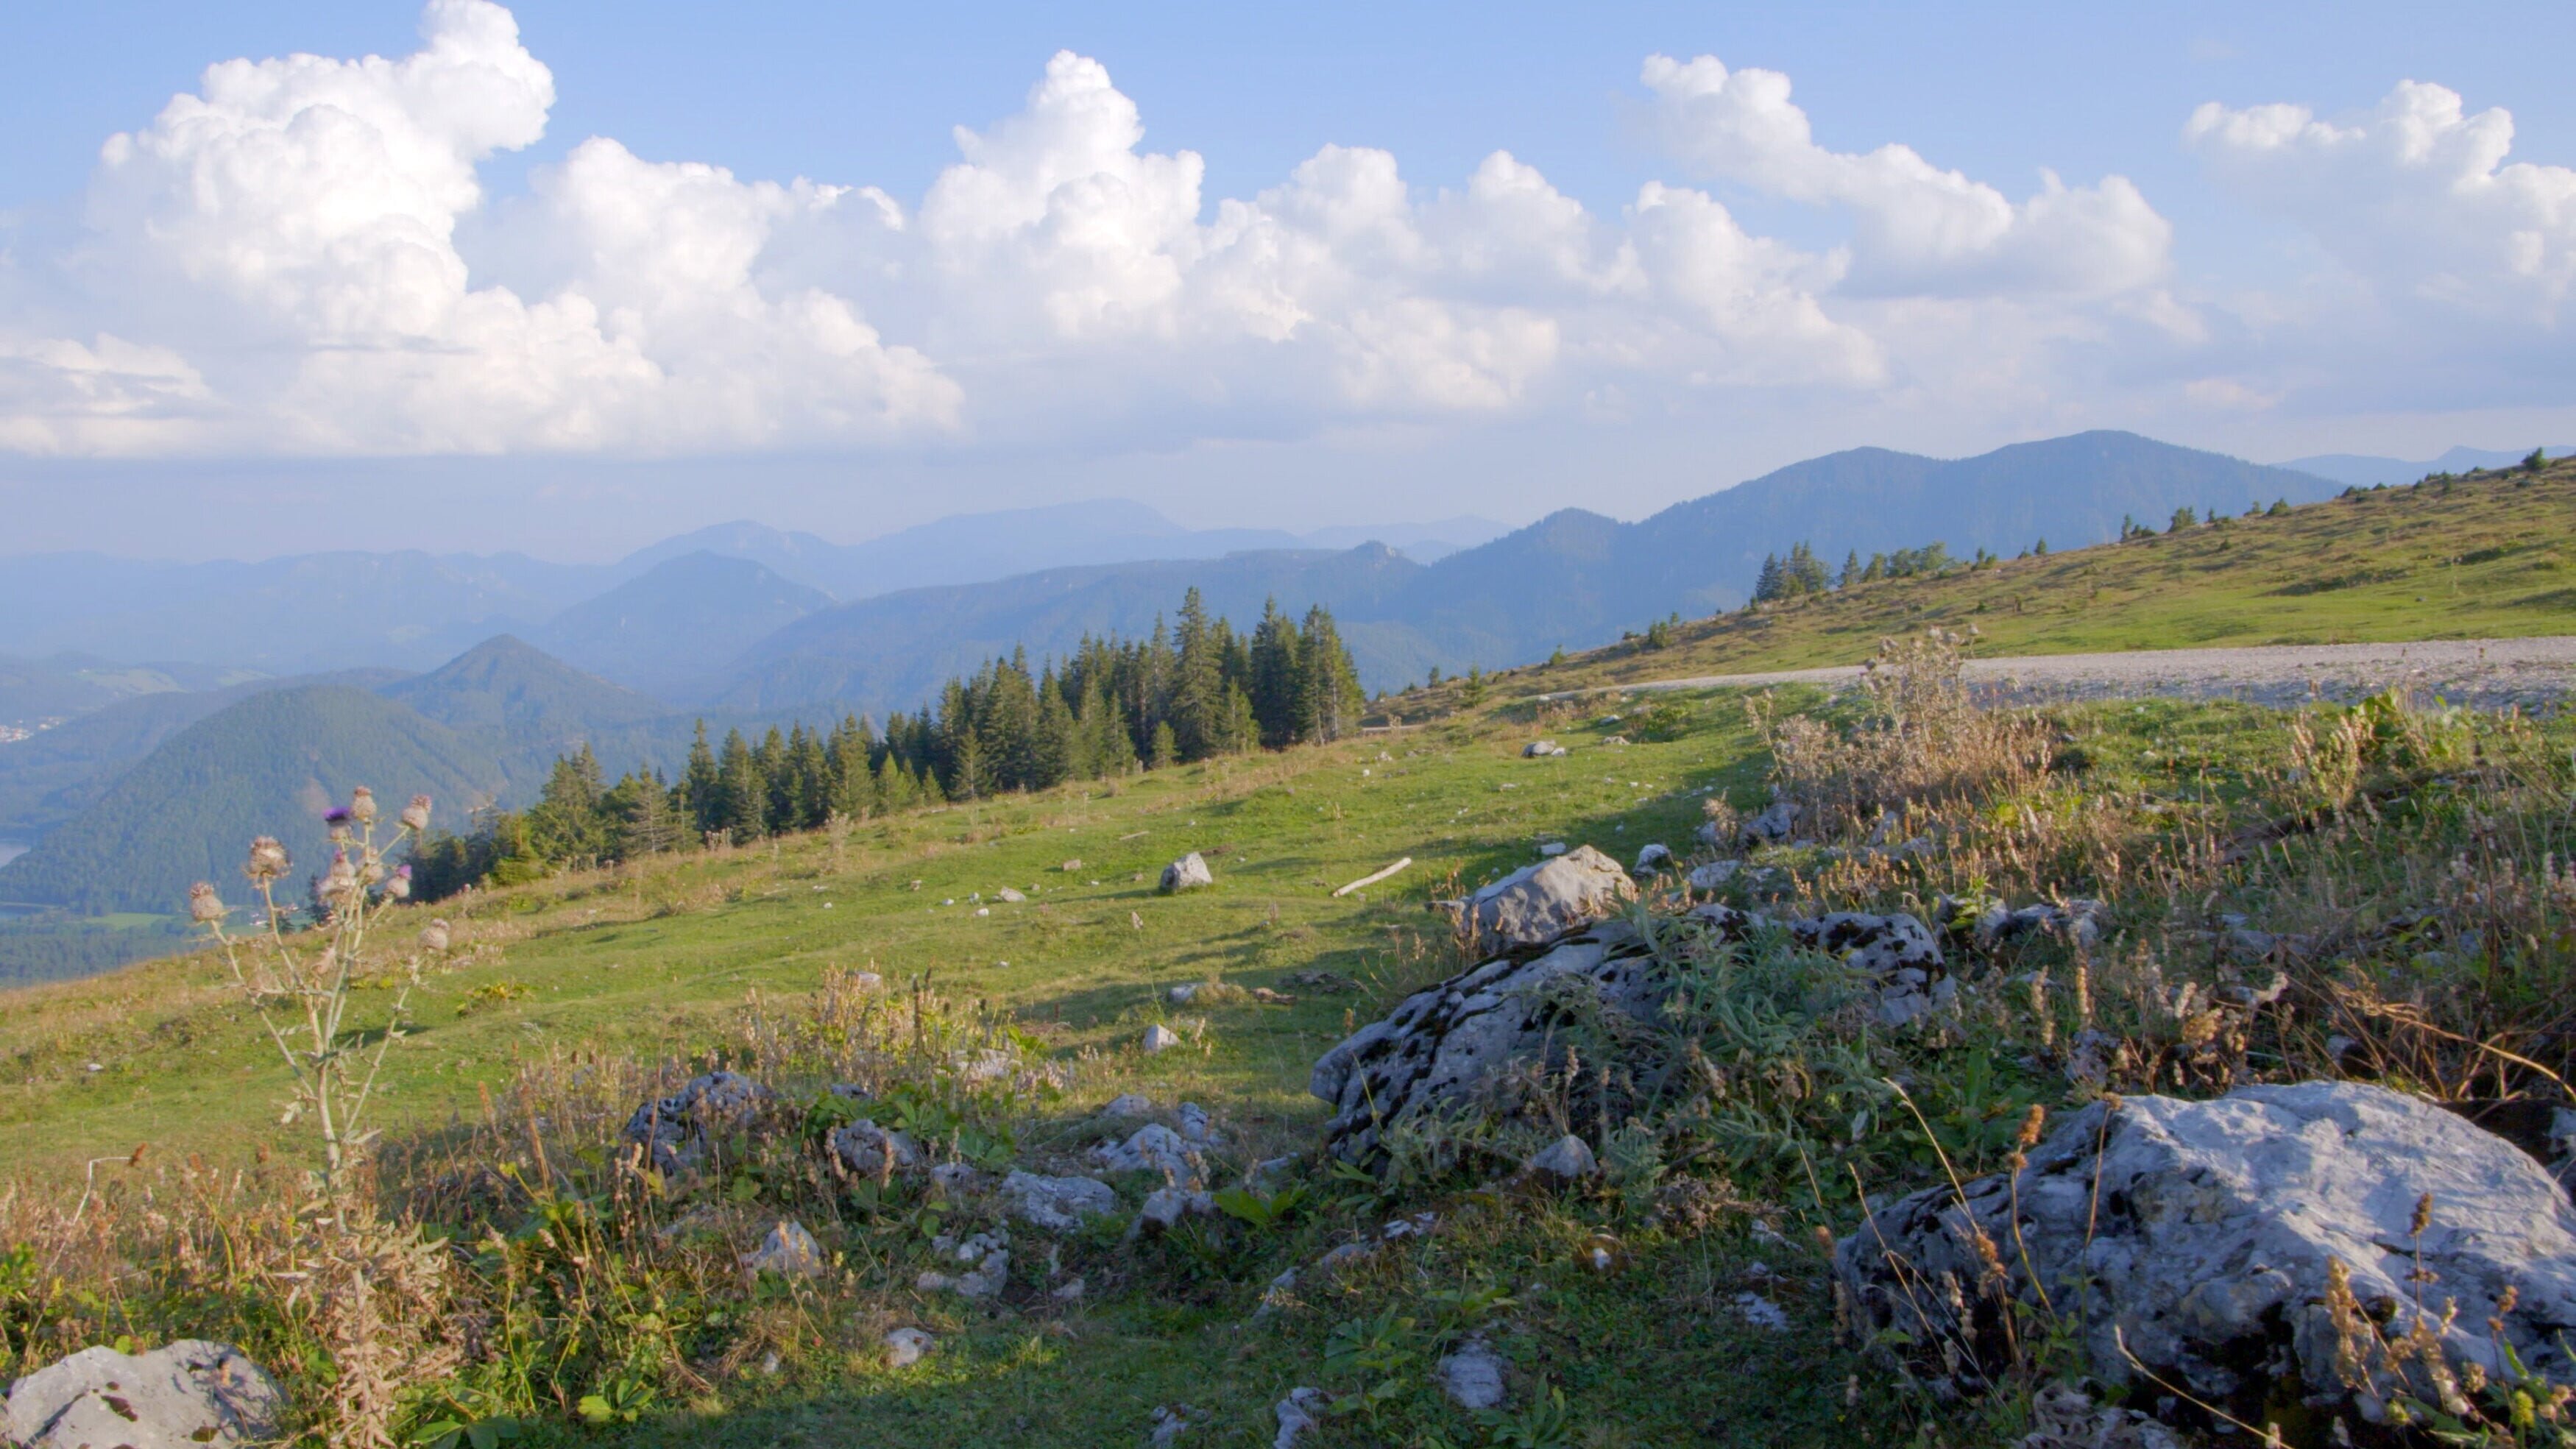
[{"x": 302, "y": 999}]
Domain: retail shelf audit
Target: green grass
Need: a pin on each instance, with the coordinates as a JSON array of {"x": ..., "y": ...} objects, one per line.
[
  {"x": 668, "y": 961},
  {"x": 660, "y": 963},
  {"x": 2488, "y": 557}
]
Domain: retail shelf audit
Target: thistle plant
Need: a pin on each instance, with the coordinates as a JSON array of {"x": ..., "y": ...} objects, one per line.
[{"x": 301, "y": 992}]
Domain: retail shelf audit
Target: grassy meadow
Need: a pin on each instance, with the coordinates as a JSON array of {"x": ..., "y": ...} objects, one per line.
[{"x": 522, "y": 1278}]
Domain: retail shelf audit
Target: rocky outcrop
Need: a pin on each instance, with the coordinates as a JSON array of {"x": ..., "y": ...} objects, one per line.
[
  {"x": 1538, "y": 903},
  {"x": 678, "y": 1130},
  {"x": 2275, "y": 1236},
  {"x": 184, "y": 1395},
  {"x": 1186, "y": 874},
  {"x": 1442, "y": 1048}
]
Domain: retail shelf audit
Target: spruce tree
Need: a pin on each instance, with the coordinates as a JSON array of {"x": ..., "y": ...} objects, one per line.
[
  {"x": 1278, "y": 678},
  {"x": 1198, "y": 681},
  {"x": 702, "y": 787}
]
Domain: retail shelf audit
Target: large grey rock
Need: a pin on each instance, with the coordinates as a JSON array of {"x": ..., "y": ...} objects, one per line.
[
  {"x": 184, "y": 1395},
  {"x": 1651, "y": 859},
  {"x": 1058, "y": 1204},
  {"x": 1539, "y": 903},
  {"x": 1897, "y": 949},
  {"x": 1442, "y": 1048},
  {"x": 2206, "y": 1235},
  {"x": 1187, "y": 873},
  {"x": 1541, "y": 750},
  {"x": 676, "y": 1131}
]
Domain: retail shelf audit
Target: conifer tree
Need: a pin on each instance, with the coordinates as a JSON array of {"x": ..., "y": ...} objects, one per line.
[{"x": 702, "y": 787}]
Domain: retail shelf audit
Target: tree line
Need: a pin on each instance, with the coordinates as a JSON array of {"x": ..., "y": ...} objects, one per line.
[{"x": 1193, "y": 691}]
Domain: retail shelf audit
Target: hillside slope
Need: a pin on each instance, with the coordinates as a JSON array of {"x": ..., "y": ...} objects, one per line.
[
  {"x": 269, "y": 764},
  {"x": 50, "y": 777},
  {"x": 2486, "y": 556}
]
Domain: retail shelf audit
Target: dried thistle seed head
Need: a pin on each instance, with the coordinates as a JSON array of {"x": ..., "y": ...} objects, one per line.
[
  {"x": 2030, "y": 1126},
  {"x": 341, "y": 879},
  {"x": 267, "y": 860},
  {"x": 433, "y": 937},
  {"x": 2423, "y": 1215},
  {"x": 415, "y": 816},
  {"x": 399, "y": 885},
  {"x": 203, "y": 905},
  {"x": 362, "y": 805}
]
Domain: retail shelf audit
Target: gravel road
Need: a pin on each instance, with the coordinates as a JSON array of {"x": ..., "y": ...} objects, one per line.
[{"x": 2535, "y": 674}]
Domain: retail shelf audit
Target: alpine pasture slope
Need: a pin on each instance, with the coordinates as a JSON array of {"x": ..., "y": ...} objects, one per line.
[{"x": 1621, "y": 1311}]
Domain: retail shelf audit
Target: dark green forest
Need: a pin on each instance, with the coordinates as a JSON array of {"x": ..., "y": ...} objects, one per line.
[{"x": 1191, "y": 692}]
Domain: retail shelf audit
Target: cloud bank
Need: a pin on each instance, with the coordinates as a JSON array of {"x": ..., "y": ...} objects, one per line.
[{"x": 273, "y": 266}]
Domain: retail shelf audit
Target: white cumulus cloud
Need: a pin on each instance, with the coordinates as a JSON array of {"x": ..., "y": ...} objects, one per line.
[
  {"x": 300, "y": 256},
  {"x": 1916, "y": 227},
  {"x": 2417, "y": 198}
]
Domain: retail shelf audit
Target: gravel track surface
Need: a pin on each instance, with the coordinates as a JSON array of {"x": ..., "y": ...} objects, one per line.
[{"x": 2536, "y": 674}]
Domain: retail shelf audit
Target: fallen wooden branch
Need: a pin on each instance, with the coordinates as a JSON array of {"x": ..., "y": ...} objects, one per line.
[{"x": 1370, "y": 880}]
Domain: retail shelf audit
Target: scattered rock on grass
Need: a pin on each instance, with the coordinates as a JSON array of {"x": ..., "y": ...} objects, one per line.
[
  {"x": 1166, "y": 1206},
  {"x": 1300, "y": 1411},
  {"x": 676, "y": 1131},
  {"x": 2211, "y": 1236},
  {"x": 1568, "y": 1159},
  {"x": 869, "y": 1150},
  {"x": 1541, "y": 750},
  {"x": 183, "y": 1395},
  {"x": 1010, "y": 895},
  {"x": 1651, "y": 859},
  {"x": 1538, "y": 903},
  {"x": 986, "y": 1257},
  {"x": 1057, "y": 1204},
  {"x": 1160, "y": 1038},
  {"x": 1187, "y": 873},
  {"x": 1152, "y": 1148},
  {"x": 1472, "y": 1376},
  {"x": 907, "y": 1346},
  {"x": 1761, "y": 1312},
  {"x": 1196, "y": 1126},
  {"x": 1171, "y": 1421},
  {"x": 1128, "y": 1104},
  {"x": 789, "y": 1251}
]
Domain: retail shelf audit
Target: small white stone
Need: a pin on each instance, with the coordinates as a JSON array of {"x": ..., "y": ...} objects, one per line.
[
  {"x": 1160, "y": 1038},
  {"x": 1472, "y": 1377},
  {"x": 906, "y": 1346}
]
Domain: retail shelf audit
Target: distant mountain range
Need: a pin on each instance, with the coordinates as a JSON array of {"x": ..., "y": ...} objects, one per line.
[
  {"x": 410, "y": 610},
  {"x": 484, "y": 727},
  {"x": 2360, "y": 470},
  {"x": 166, "y": 771},
  {"x": 1573, "y": 579}
]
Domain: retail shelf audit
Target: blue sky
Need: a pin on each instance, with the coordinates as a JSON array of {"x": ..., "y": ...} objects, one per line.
[{"x": 1673, "y": 284}]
